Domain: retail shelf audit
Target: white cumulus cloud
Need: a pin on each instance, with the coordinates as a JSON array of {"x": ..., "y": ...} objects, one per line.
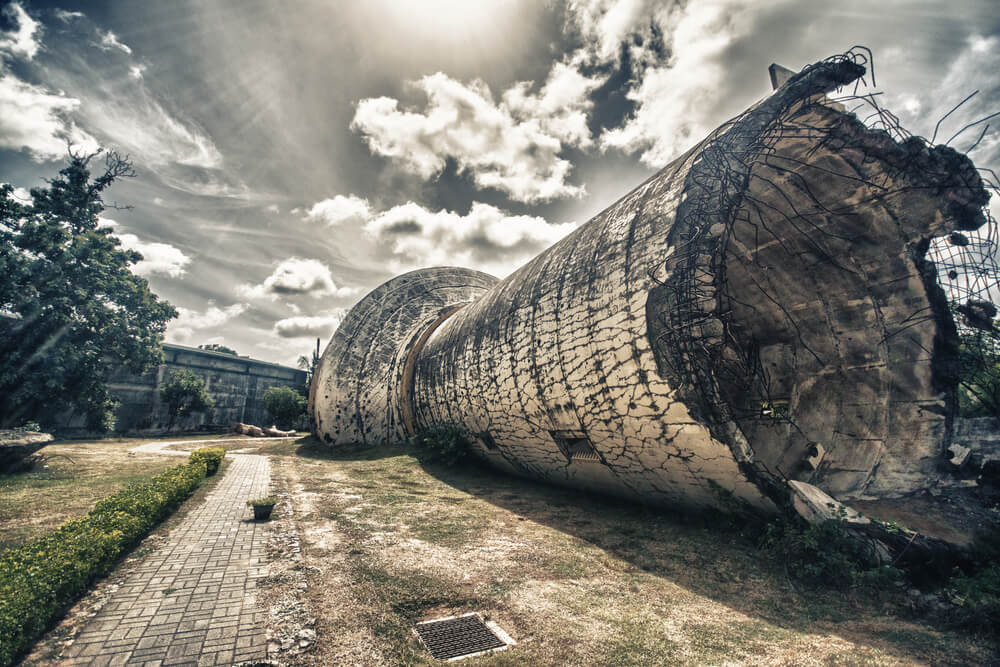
[
  {"x": 339, "y": 209},
  {"x": 675, "y": 100},
  {"x": 109, "y": 40},
  {"x": 157, "y": 258},
  {"x": 302, "y": 326},
  {"x": 605, "y": 24},
  {"x": 513, "y": 146},
  {"x": 487, "y": 238},
  {"x": 188, "y": 321},
  {"x": 411, "y": 236},
  {"x": 296, "y": 276},
  {"x": 33, "y": 119},
  {"x": 22, "y": 41}
]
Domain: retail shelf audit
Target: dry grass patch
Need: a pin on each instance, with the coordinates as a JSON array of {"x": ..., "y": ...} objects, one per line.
[
  {"x": 575, "y": 578},
  {"x": 76, "y": 475}
]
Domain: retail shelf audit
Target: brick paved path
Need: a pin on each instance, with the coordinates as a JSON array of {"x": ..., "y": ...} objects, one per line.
[{"x": 193, "y": 601}]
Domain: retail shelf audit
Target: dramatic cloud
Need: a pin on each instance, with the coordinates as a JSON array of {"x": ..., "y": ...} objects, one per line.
[
  {"x": 296, "y": 277},
  {"x": 136, "y": 71},
  {"x": 34, "y": 119},
  {"x": 109, "y": 40},
  {"x": 20, "y": 42},
  {"x": 411, "y": 236},
  {"x": 606, "y": 24},
  {"x": 674, "y": 102},
  {"x": 157, "y": 258},
  {"x": 339, "y": 209},
  {"x": 487, "y": 237},
  {"x": 513, "y": 146},
  {"x": 321, "y": 326},
  {"x": 189, "y": 321}
]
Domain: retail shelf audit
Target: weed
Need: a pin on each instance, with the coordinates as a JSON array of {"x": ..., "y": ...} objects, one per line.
[
  {"x": 977, "y": 593},
  {"x": 827, "y": 554},
  {"x": 444, "y": 444}
]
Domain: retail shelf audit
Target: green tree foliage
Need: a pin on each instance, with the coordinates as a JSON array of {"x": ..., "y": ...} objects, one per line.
[
  {"x": 308, "y": 364},
  {"x": 979, "y": 387},
  {"x": 285, "y": 405},
  {"x": 215, "y": 347},
  {"x": 70, "y": 307},
  {"x": 184, "y": 393}
]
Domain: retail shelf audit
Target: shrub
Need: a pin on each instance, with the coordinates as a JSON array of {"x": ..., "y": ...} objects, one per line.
[
  {"x": 977, "y": 593},
  {"x": 212, "y": 456},
  {"x": 185, "y": 393},
  {"x": 442, "y": 444},
  {"x": 826, "y": 554},
  {"x": 40, "y": 579},
  {"x": 285, "y": 405}
]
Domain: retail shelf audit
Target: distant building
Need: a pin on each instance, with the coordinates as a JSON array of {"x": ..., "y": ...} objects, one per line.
[{"x": 235, "y": 383}]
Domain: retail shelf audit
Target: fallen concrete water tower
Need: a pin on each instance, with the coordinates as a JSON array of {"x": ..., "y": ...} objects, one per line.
[{"x": 760, "y": 310}]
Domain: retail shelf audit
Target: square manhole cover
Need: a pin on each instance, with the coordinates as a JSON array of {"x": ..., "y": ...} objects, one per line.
[{"x": 458, "y": 636}]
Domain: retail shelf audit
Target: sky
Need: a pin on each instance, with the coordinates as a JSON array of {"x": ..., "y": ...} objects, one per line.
[{"x": 292, "y": 156}]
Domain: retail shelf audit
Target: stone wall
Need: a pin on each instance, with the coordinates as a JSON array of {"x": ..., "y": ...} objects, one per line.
[{"x": 235, "y": 383}]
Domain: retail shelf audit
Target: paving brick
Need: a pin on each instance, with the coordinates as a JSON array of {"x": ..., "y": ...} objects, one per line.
[{"x": 209, "y": 565}]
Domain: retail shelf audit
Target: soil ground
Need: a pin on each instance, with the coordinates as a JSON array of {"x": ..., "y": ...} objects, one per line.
[
  {"x": 574, "y": 578},
  {"x": 372, "y": 541}
]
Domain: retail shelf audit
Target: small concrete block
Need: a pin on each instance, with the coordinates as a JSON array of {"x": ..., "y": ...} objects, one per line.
[
  {"x": 958, "y": 454},
  {"x": 815, "y": 506}
]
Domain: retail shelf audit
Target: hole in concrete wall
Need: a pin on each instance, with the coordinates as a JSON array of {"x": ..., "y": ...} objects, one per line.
[
  {"x": 575, "y": 445},
  {"x": 487, "y": 440},
  {"x": 774, "y": 409}
]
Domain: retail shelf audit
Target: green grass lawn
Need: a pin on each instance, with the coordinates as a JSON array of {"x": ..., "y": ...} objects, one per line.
[{"x": 78, "y": 474}]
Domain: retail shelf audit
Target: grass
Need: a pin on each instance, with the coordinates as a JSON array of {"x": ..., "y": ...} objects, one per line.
[
  {"x": 576, "y": 578},
  {"x": 78, "y": 474}
]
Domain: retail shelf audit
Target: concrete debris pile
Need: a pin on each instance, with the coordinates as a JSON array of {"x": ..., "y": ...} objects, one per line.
[
  {"x": 17, "y": 448},
  {"x": 258, "y": 432},
  {"x": 762, "y": 310}
]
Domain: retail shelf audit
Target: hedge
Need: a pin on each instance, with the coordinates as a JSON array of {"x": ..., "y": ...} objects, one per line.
[
  {"x": 212, "y": 456},
  {"x": 42, "y": 578}
]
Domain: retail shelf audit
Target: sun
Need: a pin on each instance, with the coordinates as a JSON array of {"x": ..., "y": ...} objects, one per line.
[{"x": 446, "y": 20}]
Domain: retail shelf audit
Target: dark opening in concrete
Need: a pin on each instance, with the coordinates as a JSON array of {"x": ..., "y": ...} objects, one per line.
[{"x": 575, "y": 445}]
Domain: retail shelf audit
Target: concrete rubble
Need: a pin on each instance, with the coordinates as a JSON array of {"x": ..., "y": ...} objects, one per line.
[{"x": 17, "y": 447}]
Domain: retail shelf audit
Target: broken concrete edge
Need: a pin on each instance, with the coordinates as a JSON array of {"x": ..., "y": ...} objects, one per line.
[
  {"x": 741, "y": 136},
  {"x": 914, "y": 160},
  {"x": 17, "y": 446},
  {"x": 889, "y": 543}
]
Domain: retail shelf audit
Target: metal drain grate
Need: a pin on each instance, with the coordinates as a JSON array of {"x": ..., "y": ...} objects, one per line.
[{"x": 458, "y": 636}]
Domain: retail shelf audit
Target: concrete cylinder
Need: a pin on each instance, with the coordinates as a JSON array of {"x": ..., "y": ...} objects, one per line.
[{"x": 760, "y": 310}]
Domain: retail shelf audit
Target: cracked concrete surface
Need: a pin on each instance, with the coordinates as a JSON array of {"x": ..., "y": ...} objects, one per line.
[{"x": 759, "y": 310}]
